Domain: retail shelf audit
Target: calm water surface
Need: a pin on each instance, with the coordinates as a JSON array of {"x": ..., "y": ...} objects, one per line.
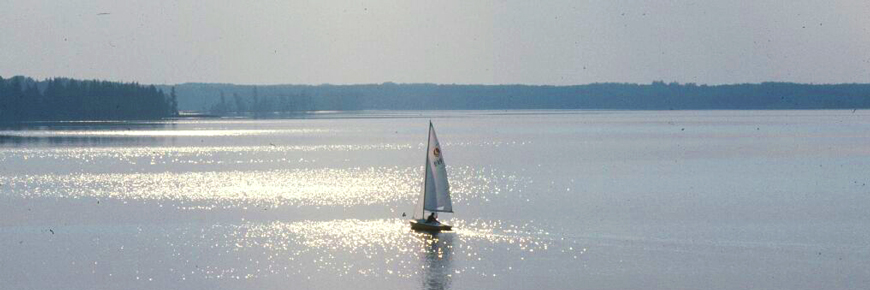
[{"x": 543, "y": 199}]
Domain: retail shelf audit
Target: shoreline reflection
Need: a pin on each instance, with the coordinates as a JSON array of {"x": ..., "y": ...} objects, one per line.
[{"x": 109, "y": 133}]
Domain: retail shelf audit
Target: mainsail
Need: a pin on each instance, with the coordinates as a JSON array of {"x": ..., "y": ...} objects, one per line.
[{"x": 436, "y": 190}]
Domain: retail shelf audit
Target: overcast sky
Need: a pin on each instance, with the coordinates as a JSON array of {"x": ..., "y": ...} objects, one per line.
[{"x": 481, "y": 42}]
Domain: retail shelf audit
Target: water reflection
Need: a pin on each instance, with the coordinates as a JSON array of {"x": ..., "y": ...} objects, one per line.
[
  {"x": 436, "y": 260},
  {"x": 83, "y": 133},
  {"x": 381, "y": 249},
  {"x": 132, "y": 133},
  {"x": 19, "y": 141},
  {"x": 340, "y": 253},
  {"x": 233, "y": 189}
]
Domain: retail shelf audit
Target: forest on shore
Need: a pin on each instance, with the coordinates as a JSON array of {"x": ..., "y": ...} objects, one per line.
[
  {"x": 231, "y": 99},
  {"x": 64, "y": 99}
]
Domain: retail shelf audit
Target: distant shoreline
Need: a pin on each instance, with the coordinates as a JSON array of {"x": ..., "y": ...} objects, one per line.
[
  {"x": 60, "y": 99},
  {"x": 366, "y": 114},
  {"x": 229, "y": 99},
  {"x": 429, "y": 113}
]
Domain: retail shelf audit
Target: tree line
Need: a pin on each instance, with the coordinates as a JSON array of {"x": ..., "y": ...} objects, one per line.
[
  {"x": 254, "y": 104},
  {"x": 25, "y": 99},
  {"x": 234, "y": 99}
]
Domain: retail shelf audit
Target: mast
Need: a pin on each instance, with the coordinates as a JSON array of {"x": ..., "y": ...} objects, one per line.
[{"x": 425, "y": 173}]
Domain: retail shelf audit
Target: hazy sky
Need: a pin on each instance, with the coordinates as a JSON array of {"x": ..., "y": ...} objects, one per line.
[{"x": 487, "y": 42}]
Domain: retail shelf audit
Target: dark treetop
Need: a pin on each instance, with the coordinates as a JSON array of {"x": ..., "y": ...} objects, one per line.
[{"x": 24, "y": 99}]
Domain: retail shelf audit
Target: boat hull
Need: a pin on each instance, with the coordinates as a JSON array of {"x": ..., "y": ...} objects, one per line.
[{"x": 422, "y": 225}]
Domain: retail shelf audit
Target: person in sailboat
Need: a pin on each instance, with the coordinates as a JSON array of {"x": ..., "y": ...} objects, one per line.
[{"x": 431, "y": 218}]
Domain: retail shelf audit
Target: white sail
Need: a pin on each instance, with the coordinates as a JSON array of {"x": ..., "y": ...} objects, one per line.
[{"x": 436, "y": 190}]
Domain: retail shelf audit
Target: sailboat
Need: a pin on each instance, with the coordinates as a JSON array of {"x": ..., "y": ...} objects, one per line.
[{"x": 436, "y": 190}]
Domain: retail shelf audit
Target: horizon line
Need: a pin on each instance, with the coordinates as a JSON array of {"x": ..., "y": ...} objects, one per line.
[{"x": 441, "y": 84}]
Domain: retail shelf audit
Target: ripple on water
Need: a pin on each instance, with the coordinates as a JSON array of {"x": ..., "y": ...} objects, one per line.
[
  {"x": 190, "y": 154},
  {"x": 159, "y": 133},
  {"x": 295, "y": 187},
  {"x": 202, "y": 154},
  {"x": 369, "y": 248}
]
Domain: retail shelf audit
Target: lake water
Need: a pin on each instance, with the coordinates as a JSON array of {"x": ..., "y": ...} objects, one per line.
[{"x": 543, "y": 199}]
